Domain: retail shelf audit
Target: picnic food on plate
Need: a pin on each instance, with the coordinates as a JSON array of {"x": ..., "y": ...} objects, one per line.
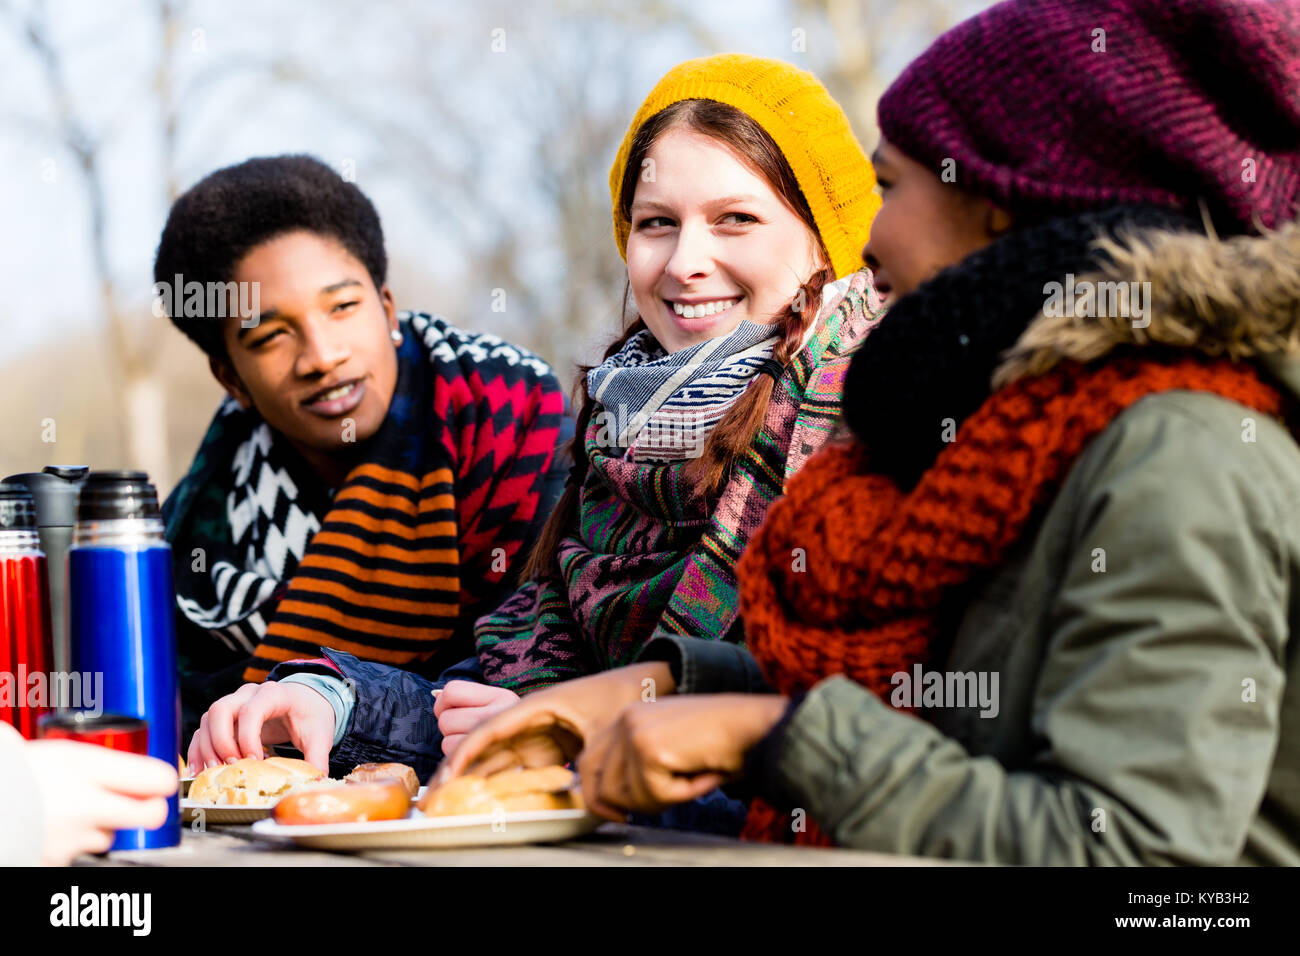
[
  {"x": 537, "y": 788},
  {"x": 376, "y": 772},
  {"x": 346, "y": 803},
  {"x": 358, "y": 801},
  {"x": 252, "y": 782}
]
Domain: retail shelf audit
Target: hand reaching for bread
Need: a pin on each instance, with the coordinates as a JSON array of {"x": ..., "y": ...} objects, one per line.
[
  {"x": 550, "y": 726},
  {"x": 261, "y": 715},
  {"x": 462, "y": 705}
]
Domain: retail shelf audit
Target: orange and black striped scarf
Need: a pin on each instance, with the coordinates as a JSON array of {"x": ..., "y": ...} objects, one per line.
[{"x": 421, "y": 537}]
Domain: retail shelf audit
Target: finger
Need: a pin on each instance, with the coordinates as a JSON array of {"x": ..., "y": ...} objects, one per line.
[
  {"x": 132, "y": 775},
  {"x": 193, "y": 761},
  {"x": 467, "y": 693},
  {"x": 207, "y": 756},
  {"x": 75, "y": 843},
  {"x": 662, "y": 789},
  {"x": 221, "y": 723},
  {"x": 612, "y": 795},
  {"x": 97, "y": 841},
  {"x": 635, "y": 787},
  {"x": 461, "y": 720},
  {"x": 313, "y": 738},
  {"x": 592, "y": 766},
  {"x": 114, "y": 811},
  {"x": 449, "y": 744},
  {"x": 251, "y": 719}
]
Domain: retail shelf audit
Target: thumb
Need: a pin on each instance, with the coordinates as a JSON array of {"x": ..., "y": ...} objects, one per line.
[{"x": 315, "y": 743}]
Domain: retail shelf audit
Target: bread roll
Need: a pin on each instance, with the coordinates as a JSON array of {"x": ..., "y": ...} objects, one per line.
[
  {"x": 512, "y": 791},
  {"x": 510, "y": 783},
  {"x": 251, "y": 782},
  {"x": 376, "y": 772},
  {"x": 345, "y": 803}
]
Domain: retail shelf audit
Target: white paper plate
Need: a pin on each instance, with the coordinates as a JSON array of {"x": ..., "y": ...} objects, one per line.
[
  {"x": 224, "y": 814},
  {"x": 420, "y": 832}
]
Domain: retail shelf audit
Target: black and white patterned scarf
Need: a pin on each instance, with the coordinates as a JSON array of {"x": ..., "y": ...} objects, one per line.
[{"x": 662, "y": 406}]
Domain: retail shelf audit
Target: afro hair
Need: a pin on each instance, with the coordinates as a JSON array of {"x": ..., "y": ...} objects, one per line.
[{"x": 222, "y": 217}]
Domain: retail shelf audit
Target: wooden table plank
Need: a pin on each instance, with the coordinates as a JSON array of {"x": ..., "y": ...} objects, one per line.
[{"x": 611, "y": 845}]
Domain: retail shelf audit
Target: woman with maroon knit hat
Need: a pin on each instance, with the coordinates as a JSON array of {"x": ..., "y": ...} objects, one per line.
[{"x": 1040, "y": 607}]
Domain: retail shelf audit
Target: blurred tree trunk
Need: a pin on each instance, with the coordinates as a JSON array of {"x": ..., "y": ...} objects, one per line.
[{"x": 131, "y": 341}]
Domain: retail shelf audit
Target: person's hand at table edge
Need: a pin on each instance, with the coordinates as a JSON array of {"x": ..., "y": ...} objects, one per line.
[
  {"x": 89, "y": 792},
  {"x": 652, "y": 757}
]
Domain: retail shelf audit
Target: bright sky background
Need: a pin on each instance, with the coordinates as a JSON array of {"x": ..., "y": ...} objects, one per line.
[{"x": 110, "y": 47}]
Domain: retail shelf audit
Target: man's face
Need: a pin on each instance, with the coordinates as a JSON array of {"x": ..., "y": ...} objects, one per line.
[{"x": 320, "y": 364}]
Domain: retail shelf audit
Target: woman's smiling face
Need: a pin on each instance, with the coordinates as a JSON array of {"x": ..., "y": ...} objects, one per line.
[{"x": 711, "y": 242}]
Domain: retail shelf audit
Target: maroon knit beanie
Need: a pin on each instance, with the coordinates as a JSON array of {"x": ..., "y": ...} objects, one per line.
[{"x": 1176, "y": 101}]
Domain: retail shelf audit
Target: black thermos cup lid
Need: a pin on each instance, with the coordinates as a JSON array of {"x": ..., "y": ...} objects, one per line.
[
  {"x": 113, "y": 495},
  {"x": 17, "y": 511}
]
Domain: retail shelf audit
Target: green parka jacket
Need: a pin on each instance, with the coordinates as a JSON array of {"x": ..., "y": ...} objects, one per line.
[{"x": 1143, "y": 637}]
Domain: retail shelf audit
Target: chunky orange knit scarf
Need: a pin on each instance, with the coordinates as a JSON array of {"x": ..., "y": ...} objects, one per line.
[{"x": 877, "y": 562}]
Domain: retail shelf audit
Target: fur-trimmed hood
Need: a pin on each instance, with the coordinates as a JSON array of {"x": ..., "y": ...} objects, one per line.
[{"x": 1237, "y": 297}]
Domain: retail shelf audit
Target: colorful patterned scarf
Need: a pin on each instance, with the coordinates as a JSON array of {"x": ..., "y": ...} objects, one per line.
[
  {"x": 646, "y": 558},
  {"x": 420, "y": 537}
]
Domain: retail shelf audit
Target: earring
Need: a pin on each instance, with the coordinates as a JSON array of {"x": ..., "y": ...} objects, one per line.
[{"x": 396, "y": 336}]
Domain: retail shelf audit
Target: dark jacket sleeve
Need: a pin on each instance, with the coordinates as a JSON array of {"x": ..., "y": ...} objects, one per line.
[
  {"x": 392, "y": 720},
  {"x": 704, "y": 666}
]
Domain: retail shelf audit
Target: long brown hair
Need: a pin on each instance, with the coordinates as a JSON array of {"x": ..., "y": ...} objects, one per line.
[{"x": 734, "y": 434}]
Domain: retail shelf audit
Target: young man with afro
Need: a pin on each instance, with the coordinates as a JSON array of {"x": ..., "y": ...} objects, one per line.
[{"x": 374, "y": 478}]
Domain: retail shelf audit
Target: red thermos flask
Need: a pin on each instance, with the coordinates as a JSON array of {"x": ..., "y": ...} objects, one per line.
[{"x": 25, "y": 640}]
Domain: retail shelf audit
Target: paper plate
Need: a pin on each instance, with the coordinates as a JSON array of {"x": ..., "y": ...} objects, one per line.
[
  {"x": 226, "y": 814},
  {"x": 418, "y": 832},
  {"x": 222, "y": 813}
]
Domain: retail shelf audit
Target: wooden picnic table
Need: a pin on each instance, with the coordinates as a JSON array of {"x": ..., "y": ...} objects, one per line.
[{"x": 611, "y": 845}]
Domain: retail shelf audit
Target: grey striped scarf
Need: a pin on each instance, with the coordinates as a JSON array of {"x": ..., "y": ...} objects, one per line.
[{"x": 660, "y": 406}]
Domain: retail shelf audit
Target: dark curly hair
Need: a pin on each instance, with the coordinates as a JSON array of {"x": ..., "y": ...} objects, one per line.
[{"x": 228, "y": 212}]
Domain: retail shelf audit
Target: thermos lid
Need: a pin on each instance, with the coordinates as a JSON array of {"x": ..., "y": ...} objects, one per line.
[
  {"x": 54, "y": 491},
  {"x": 71, "y": 472},
  {"x": 113, "y": 495},
  {"x": 17, "y": 511}
]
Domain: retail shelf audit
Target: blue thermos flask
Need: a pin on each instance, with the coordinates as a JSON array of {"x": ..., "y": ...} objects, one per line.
[{"x": 120, "y": 600}]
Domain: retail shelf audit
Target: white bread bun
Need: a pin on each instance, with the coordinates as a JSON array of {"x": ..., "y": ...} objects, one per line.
[
  {"x": 509, "y": 783},
  {"x": 377, "y": 772},
  {"x": 252, "y": 782},
  {"x": 538, "y": 788}
]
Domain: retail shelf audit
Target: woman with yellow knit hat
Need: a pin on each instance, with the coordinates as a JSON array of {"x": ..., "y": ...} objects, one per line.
[{"x": 741, "y": 200}]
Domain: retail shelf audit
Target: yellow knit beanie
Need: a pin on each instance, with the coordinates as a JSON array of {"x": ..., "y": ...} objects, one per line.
[{"x": 807, "y": 125}]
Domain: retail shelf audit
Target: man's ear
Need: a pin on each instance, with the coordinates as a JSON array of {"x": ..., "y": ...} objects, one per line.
[
  {"x": 390, "y": 308},
  {"x": 997, "y": 220},
  {"x": 225, "y": 374}
]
